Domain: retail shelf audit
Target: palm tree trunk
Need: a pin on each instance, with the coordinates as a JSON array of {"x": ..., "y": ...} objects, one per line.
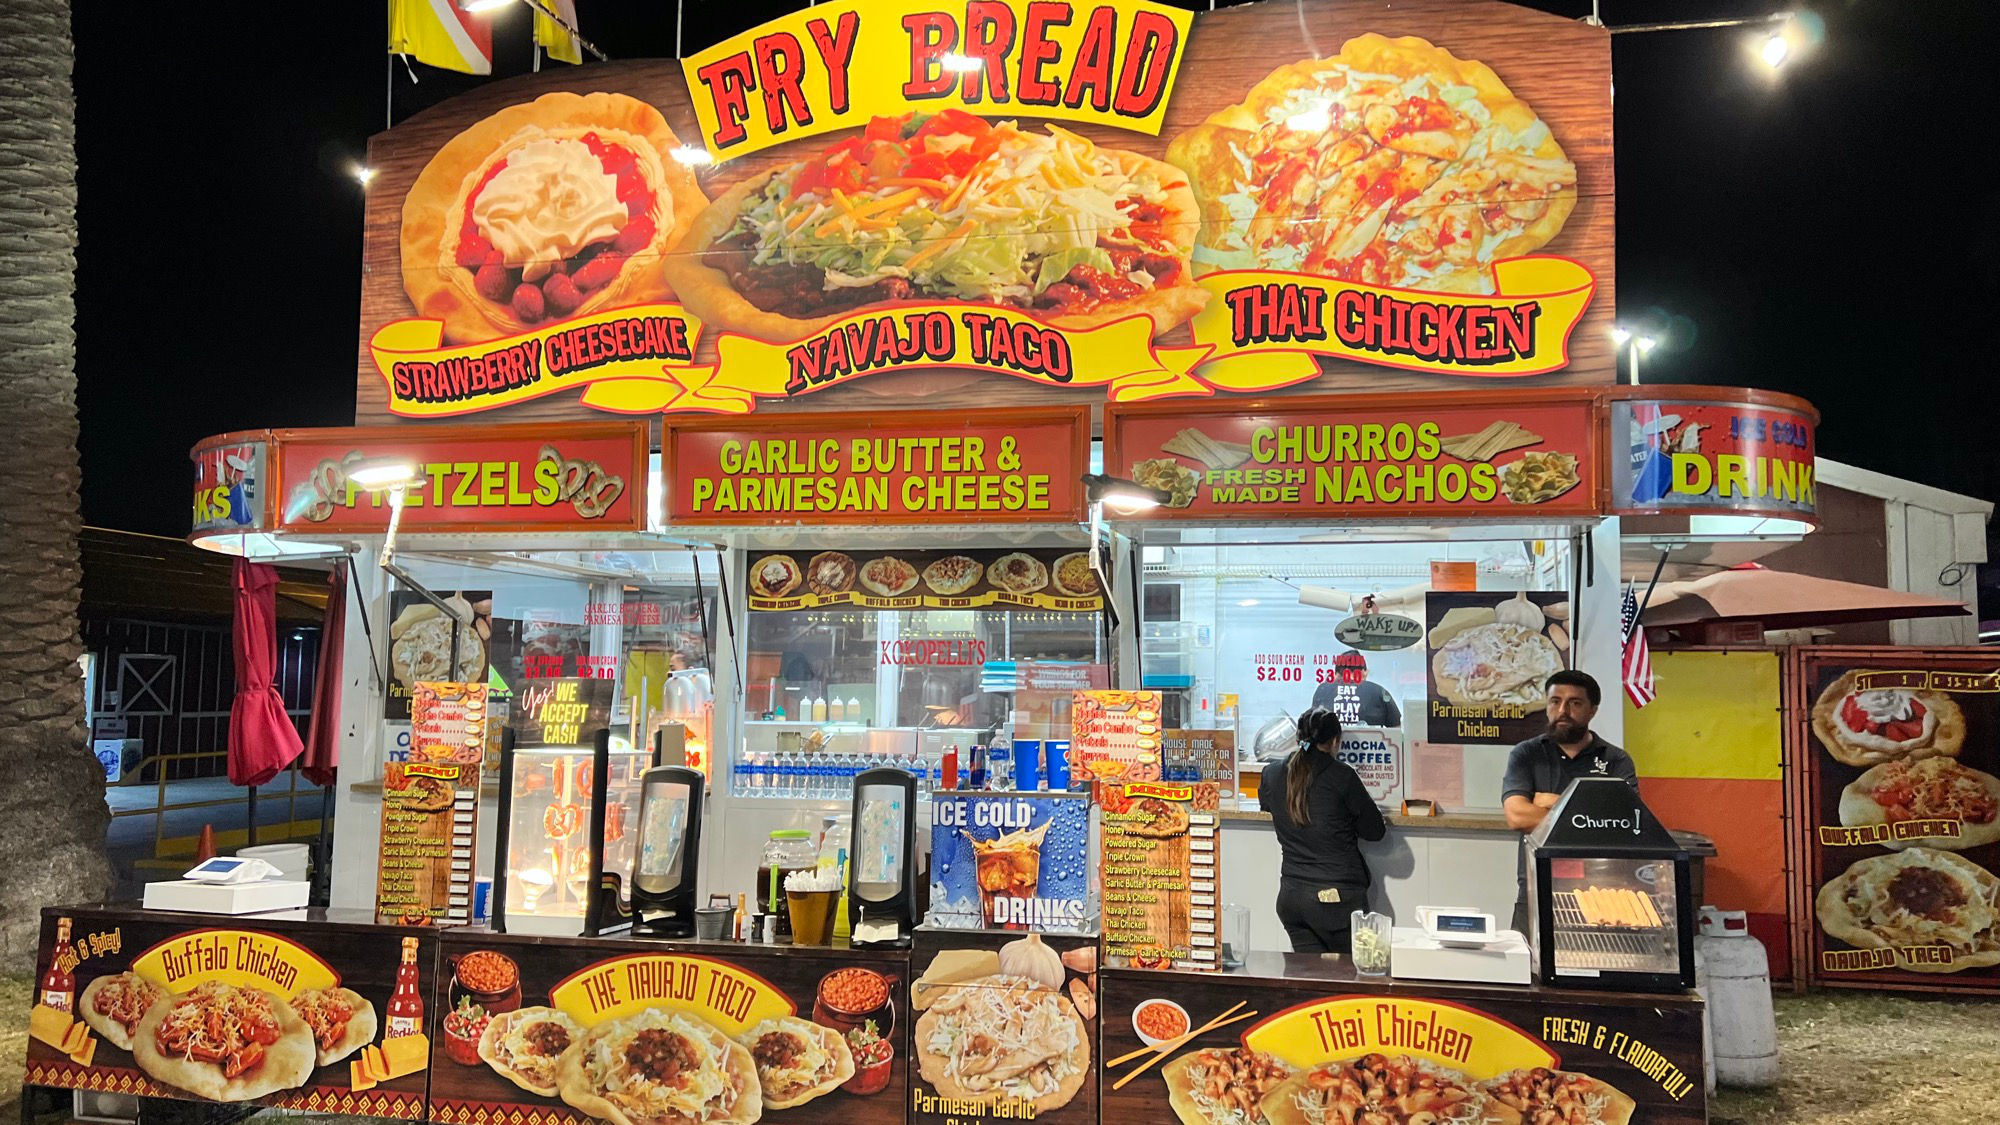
[{"x": 52, "y": 812}]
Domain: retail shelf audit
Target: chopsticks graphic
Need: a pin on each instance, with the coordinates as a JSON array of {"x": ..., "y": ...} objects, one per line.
[
  {"x": 1128, "y": 1056},
  {"x": 1172, "y": 1045}
]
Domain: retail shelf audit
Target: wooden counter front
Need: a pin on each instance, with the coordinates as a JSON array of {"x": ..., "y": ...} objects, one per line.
[{"x": 1311, "y": 1010}]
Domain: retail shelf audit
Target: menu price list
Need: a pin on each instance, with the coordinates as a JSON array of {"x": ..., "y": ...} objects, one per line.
[
  {"x": 429, "y": 814},
  {"x": 1159, "y": 858}
]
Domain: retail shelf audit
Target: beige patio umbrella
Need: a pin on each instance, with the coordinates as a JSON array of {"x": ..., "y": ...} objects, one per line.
[{"x": 1782, "y": 600}]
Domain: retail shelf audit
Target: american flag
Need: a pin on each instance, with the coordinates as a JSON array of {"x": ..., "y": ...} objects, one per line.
[{"x": 1636, "y": 668}]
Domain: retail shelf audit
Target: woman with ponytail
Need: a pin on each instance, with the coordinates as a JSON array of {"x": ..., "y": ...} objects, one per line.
[{"x": 1321, "y": 812}]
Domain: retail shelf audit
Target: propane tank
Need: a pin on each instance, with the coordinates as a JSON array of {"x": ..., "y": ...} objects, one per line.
[
  {"x": 1707, "y": 1023},
  {"x": 1744, "y": 1027}
]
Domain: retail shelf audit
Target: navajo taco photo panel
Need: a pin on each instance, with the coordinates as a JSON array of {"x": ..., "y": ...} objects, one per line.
[{"x": 1902, "y": 761}]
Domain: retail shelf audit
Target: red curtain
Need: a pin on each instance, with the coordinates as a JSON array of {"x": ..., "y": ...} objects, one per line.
[
  {"x": 262, "y": 739},
  {"x": 323, "y": 732}
]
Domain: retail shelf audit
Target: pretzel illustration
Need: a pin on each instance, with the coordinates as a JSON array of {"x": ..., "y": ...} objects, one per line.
[{"x": 585, "y": 484}]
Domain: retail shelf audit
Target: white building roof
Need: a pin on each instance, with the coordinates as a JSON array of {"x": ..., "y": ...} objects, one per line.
[{"x": 1882, "y": 486}]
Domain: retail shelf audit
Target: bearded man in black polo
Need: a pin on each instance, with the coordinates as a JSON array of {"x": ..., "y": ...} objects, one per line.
[{"x": 1539, "y": 769}]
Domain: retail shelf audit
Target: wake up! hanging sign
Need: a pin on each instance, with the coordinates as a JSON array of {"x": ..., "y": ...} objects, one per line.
[{"x": 1008, "y": 201}]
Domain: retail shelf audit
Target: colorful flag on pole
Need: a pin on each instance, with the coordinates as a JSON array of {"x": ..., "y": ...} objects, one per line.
[
  {"x": 550, "y": 34},
  {"x": 1636, "y": 668},
  {"x": 437, "y": 33}
]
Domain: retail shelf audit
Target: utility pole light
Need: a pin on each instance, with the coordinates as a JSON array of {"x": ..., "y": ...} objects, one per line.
[{"x": 1776, "y": 50}]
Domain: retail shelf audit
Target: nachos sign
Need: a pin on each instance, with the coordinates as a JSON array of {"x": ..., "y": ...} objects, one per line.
[{"x": 1020, "y": 201}]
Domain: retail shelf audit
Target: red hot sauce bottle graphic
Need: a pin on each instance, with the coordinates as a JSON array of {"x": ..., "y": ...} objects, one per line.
[
  {"x": 406, "y": 1004},
  {"x": 58, "y": 987}
]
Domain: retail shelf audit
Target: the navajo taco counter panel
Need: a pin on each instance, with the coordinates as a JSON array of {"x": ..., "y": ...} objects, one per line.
[
  {"x": 1297, "y": 1037},
  {"x": 544, "y": 1030}
]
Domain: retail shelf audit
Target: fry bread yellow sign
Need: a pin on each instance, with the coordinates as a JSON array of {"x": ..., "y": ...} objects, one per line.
[
  {"x": 1123, "y": 196},
  {"x": 836, "y": 65}
]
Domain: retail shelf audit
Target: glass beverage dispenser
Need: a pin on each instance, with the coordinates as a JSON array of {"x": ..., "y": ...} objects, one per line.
[
  {"x": 669, "y": 853},
  {"x": 882, "y": 861}
]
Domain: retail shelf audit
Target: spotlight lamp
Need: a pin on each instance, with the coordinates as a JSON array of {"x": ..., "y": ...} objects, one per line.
[{"x": 1126, "y": 497}]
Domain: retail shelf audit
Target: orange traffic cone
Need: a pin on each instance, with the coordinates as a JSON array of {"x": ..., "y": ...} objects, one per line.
[{"x": 204, "y": 847}]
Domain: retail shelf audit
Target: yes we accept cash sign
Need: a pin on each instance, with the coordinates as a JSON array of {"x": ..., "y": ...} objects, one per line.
[{"x": 1036, "y": 200}]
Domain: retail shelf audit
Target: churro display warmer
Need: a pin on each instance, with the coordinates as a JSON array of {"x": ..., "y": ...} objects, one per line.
[{"x": 1612, "y": 893}]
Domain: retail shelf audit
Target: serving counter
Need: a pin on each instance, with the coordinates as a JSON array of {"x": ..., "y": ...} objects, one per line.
[
  {"x": 1296, "y": 1011},
  {"x": 1460, "y": 859}
]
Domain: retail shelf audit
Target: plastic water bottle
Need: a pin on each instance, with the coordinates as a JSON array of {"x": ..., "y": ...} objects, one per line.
[
  {"x": 1000, "y": 766},
  {"x": 739, "y": 778},
  {"x": 791, "y": 775}
]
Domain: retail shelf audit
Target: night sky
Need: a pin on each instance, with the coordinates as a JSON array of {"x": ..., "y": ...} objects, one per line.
[{"x": 1826, "y": 234}]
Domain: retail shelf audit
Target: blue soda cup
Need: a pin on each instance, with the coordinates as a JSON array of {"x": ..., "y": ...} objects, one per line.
[
  {"x": 1027, "y": 765},
  {"x": 1058, "y": 763}
]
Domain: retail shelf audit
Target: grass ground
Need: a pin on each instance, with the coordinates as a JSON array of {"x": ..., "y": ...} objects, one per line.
[
  {"x": 1846, "y": 1058},
  {"x": 1872, "y": 1058},
  {"x": 13, "y": 1041}
]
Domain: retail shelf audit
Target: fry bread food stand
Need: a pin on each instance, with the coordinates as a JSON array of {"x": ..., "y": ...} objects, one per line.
[{"x": 761, "y": 698}]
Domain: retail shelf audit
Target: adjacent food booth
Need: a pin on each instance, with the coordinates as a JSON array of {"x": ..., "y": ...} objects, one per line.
[{"x": 817, "y": 658}]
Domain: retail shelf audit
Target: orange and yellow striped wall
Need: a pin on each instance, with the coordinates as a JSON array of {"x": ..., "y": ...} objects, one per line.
[{"x": 1710, "y": 755}]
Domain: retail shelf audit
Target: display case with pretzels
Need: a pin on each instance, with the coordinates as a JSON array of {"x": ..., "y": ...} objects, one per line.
[{"x": 569, "y": 810}]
